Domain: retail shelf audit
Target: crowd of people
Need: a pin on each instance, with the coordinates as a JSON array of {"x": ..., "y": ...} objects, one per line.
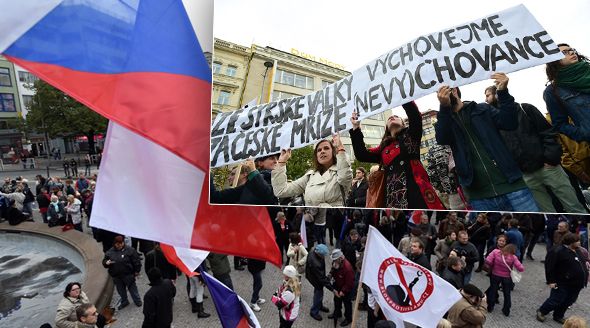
[{"x": 498, "y": 155}]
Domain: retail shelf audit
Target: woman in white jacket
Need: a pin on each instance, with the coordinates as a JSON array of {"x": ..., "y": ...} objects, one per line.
[
  {"x": 73, "y": 210},
  {"x": 297, "y": 253},
  {"x": 286, "y": 298},
  {"x": 326, "y": 185}
]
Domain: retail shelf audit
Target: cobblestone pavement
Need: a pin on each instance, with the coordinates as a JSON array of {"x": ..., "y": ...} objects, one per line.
[{"x": 526, "y": 298}]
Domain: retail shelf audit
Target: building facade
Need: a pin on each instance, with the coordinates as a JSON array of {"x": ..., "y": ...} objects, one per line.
[
  {"x": 10, "y": 111},
  {"x": 428, "y": 136},
  {"x": 256, "y": 74}
]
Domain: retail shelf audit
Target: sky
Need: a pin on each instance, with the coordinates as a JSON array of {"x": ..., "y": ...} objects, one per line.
[{"x": 352, "y": 33}]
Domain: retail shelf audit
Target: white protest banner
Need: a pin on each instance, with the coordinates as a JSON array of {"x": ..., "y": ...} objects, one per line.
[
  {"x": 507, "y": 41},
  {"x": 404, "y": 290}
]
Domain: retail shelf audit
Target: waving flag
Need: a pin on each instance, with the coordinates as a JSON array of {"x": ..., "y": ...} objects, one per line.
[
  {"x": 404, "y": 290},
  {"x": 233, "y": 311},
  {"x": 141, "y": 65}
]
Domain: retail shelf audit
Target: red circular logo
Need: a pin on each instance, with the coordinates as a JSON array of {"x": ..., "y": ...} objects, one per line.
[{"x": 400, "y": 297}]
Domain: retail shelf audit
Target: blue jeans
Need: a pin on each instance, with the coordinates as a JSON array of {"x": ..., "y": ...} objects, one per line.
[
  {"x": 518, "y": 201},
  {"x": 559, "y": 300},
  {"x": 467, "y": 277},
  {"x": 256, "y": 286},
  {"x": 319, "y": 232},
  {"x": 495, "y": 282},
  {"x": 127, "y": 283},
  {"x": 318, "y": 298}
]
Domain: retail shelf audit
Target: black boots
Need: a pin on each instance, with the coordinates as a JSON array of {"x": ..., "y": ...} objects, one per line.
[
  {"x": 201, "y": 311},
  {"x": 198, "y": 308},
  {"x": 194, "y": 307}
]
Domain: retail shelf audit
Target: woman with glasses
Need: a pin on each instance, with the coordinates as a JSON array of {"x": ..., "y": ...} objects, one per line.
[
  {"x": 568, "y": 94},
  {"x": 66, "y": 310},
  {"x": 406, "y": 181}
]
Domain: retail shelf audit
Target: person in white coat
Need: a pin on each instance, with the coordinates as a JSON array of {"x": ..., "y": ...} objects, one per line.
[
  {"x": 324, "y": 186},
  {"x": 73, "y": 211}
]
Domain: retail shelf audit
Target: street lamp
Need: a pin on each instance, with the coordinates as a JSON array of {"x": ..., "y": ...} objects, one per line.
[{"x": 267, "y": 64}]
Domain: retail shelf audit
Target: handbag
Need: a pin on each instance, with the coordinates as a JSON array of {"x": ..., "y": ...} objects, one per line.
[
  {"x": 376, "y": 190},
  {"x": 514, "y": 274}
]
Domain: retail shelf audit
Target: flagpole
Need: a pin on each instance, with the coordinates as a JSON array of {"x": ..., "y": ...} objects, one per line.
[{"x": 355, "y": 310}]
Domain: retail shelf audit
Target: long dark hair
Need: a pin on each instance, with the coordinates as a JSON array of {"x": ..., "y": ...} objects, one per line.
[
  {"x": 316, "y": 164},
  {"x": 69, "y": 288},
  {"x": 552, "y": 68}
]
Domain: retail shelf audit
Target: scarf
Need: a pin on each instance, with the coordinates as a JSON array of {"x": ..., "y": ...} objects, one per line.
[{"x": 575, "y": 76}]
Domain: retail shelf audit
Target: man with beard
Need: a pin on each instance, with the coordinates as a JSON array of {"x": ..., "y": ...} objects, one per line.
[
  {"x": 489, "y": 175},
  {"x": 537, "y": 152},
  {"x": 358, "y": 193}
]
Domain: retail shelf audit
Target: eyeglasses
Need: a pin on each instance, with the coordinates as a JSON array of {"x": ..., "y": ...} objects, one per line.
[{"x": 570, "y": 51}]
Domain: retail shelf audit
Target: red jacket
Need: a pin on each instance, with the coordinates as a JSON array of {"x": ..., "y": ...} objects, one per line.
[{"x": 344, "y": 278}]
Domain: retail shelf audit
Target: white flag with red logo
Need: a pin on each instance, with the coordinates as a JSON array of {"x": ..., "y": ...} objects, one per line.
[{"x": 404, "y": 290}]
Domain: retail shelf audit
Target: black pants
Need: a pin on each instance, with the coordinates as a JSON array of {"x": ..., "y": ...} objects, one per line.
[
  {"x": 559, "y": 300},
  {"x": 284, "y": 323},
  {"x": 347, "y": 301}
]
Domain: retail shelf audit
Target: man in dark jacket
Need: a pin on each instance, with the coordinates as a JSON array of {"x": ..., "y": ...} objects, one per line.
[
  {"x": 358, "y": 193},
  {"x": 566, "y": 275},
  {"x": 315, "y": 272},
  {"x": 488, "y": 173},
  {"x": 343, "y": 276},
  {"x": 158, "y": 301},
  {"x": 538, "y": 227},
  {"x": 417, "y": 254},
  {"x": 465, "y": 250},
  {"x": 453, "y": 273},
  {"x": 124, "y": 265},
  {"x": 350, "y": 246},
  {"x": 156, "y": 259},
  {"x": 537, "y": 152},
  {"x": 219, "y": 264}
]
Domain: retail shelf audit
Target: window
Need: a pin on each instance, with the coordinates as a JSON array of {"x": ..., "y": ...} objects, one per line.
[
  {"x": 5, "y": 77},
  {"x": 27, "y": 101},
  {"x": 216, "y": 68},
  {"x": 231, "y": 71},
  {"x": 278, "y": 95},
  {"x": 26, "y": 77},
  {"x": 378, "y": 117},
  {"x": 373, "y": 131},
  {"x": 7, "y": 102},
  {"x": 3, "y": 125},
  {"x": 296, "y": 80},
  {"x": 428, "y": 130},
  {"x": 223, "y": 98}
]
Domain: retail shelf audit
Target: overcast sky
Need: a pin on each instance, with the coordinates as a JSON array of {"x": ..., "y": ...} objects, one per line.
[{"x": 352, "y": 33}]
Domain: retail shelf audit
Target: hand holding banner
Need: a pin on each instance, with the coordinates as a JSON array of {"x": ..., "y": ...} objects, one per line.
[{"x": 507, "y": 41}]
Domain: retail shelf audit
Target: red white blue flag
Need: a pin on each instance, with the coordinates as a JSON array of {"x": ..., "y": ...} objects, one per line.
[
  {"x": 233, "y": 311},
  {"x": 142, "y": 64}
]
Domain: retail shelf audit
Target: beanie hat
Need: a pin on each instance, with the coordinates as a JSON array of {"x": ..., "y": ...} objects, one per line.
[
  {"x": 290, "y": 271},
  {"x": 321, "y": 249},
  {"x": 336, "y": 254},
  {"x": 472, "y": 290}
]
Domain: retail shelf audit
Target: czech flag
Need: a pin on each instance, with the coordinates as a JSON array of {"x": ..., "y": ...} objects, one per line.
[
  {"x": 233, "y": 311},
  {"x": 142, "y": 64}
]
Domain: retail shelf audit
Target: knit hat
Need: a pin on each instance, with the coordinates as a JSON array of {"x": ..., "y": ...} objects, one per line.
[
  {"x": 472, "y": 290},
  {"x": 336, "y": 254},
  {"x": 321, "y": 249},
  {"x": 290, "y": 271}
]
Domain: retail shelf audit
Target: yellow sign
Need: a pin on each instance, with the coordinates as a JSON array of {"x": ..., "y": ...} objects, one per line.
[{"x": 311, "y": 57}]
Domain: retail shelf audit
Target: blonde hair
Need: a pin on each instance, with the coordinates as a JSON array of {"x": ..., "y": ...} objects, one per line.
[
  {"x": 444, "y": 323},
  {"x": 575, "y": 322},
  {"x": 294, "y": 285}
]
